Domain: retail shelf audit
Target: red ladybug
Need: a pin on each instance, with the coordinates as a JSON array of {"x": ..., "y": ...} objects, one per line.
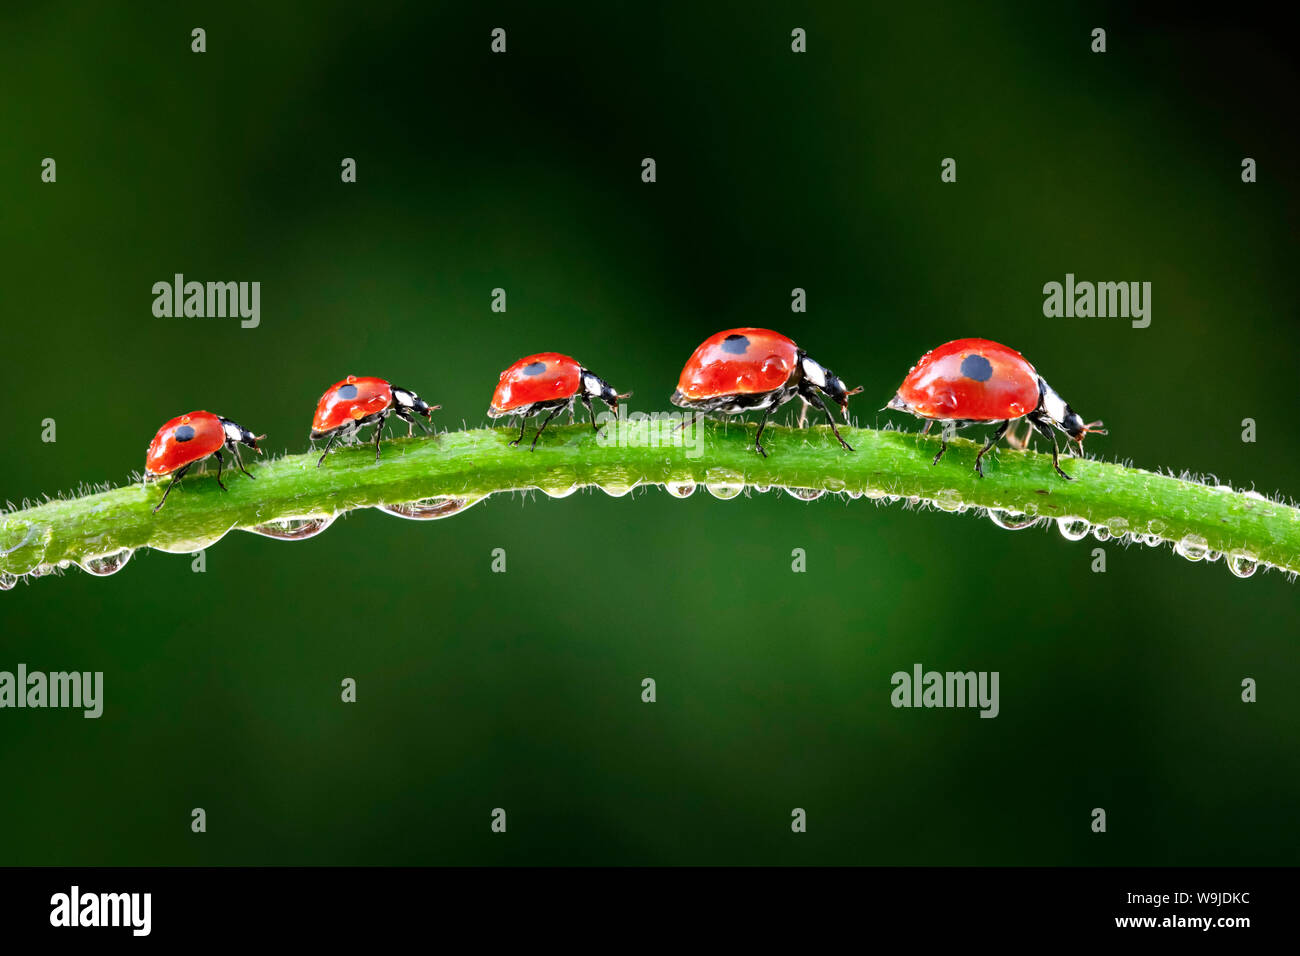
[
  {"x": 189, "y": 439},
  {"x": 740, "y": 370},
  {"x": 548, "y": 382},
  {"x": 354, "y": 403},
  {"x": 974, "y": 381}
]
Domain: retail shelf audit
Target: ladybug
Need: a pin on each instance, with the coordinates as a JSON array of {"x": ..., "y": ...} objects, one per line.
[
  {"x": 548, "y": 382},
  {"x": 352, "y": 404},
  {"x": 975, "y": 381},
  {"x": 740, "y": 370},
  {"x": 189, "y": 439}
]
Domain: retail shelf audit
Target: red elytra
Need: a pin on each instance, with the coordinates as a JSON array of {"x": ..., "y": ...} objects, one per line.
[
  {"x": 548, "y": 382},
  {"x": 738, "y": 362},
  {"x": 183, "y": 441},
  {"x": 188, "y": 439},
  {"x": 972, "y": 380},
  {"x": 358, "y": 401},
  {"x": 350, "y": 400},
  {"x": 978, "y": 381},
  {"x": 741, "y": 370},
  {"x": 544, "y": 377}
]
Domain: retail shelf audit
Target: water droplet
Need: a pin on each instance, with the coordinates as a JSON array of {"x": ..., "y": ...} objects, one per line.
[
  {"x": 680, "y": 489},
  {"x": 1101, "y": 533},
  {"x": 1242, "y": 564},
  {"x": 1072, "y": 528},
  {"x": 1118, "y": 526},
  {"x": 1011, "y": 521},
  {"x": 559, "y": 492},
  {"x": 875, "y": 494},
  {"x": 190, "y": 545},
  {"x": 1156, "y": 527},
  {"x": 805, "y": 494},
  {"x": 834, "y": 485},
  {"x": 107, "y": 564},
  {"x": 7, "y": 581},
  {"x": 724, "y": 492},
  {"x": 1152, "y": 540},
  {"x": 617, "y": 489},
  {"x": 294, "y": 529},
  {"x": 430, "y": 509},
  {"x": 762, "y": 489},
  {"x": 948, "y": 499},
  {"x": 723, "y": 483},
  {"x": 1193, "y": 547}
]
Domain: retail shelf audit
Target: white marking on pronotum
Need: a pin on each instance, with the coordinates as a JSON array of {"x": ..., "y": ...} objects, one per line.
[
  {"x": 814, "y": 372},
  {"x": 1053, "y": 403}
]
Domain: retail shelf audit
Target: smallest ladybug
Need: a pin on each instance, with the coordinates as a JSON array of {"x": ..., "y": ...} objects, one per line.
[
  {"x": 352, "y": 404},
  {"x": 189, "y": 439},
  {"x": 548, "y": 382}
]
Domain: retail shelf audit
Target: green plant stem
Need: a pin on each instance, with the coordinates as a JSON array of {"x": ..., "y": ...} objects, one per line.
[{"x": 474, "y": 463}]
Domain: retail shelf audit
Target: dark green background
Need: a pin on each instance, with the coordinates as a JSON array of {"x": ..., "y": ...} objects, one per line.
[{"x": 478, "y": 690}]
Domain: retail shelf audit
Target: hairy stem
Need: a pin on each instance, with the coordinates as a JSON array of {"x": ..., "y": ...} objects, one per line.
[{"x": 459, "y": 468}]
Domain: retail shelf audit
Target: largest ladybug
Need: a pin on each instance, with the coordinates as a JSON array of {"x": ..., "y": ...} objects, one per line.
[
  {"x": 742, "y": 370},
  {"x": 975, "y": 381},
  {"x": 547, "y": 383},
  {"x": 188, "y": 439},
  {"x": 352, "y": 404}
]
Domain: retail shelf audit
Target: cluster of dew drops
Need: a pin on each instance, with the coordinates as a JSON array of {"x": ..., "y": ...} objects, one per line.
[{"x": 724, "y": 485}]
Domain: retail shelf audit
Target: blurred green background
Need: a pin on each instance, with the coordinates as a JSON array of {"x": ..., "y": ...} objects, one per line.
[{"x": 479, "y": 690}]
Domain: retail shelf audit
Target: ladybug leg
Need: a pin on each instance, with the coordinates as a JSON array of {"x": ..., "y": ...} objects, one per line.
[
  {"x": 1015, "y": 441},
  {"x": 988, "y": 446},
  {"x": 523, "y": 423},
  {"x": 943, "y": 445},
  {"x": 411, "y": 422},
  {"x": 379, "y": 433},
  {"x": 234, "y": 450},
  {"x": 811, "y": 398},
  {"x": 175, "y": 478},
  {"x": 758, "y": 445},
  {"x": 555, "y": 411},
  {"x": 586, "y": 400},
  {"x": 1045, "y": 429},
  {"x": 926, "y": 429},
  {"x": 321, "y": 460},
  {"x": 220, "y": 462}
]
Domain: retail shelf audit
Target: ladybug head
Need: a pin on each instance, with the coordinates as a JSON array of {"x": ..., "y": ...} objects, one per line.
[
  {"x": 828, "y": 382},
  {"x": 1064, "y": 417},
  {"x": 236, "y": 432},
  {"x": 407, "y": 399},
  {"x": 596, "y": 387}
]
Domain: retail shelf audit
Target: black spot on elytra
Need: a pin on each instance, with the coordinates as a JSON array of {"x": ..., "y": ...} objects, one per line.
[
  {"x": 348, "y": 391},
  {"x": 536, "y": 368},
  {"x": 185, "y": 433},
  {"x": 736, "y": 344},
  {"x": 977, "y": 367}
]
